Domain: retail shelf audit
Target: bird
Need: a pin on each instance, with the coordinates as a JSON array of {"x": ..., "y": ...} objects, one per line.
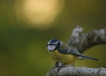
[{"x": 63, "y": 53}]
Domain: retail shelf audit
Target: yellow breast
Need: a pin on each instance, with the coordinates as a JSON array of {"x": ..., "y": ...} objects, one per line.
[{"x": 62, "y": 58}]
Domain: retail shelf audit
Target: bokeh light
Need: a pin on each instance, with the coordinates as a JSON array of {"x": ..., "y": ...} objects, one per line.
[{"x": 36, "y": 13}]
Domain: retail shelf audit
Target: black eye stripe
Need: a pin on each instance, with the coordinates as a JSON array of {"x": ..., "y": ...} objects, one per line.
[{"x": 51, "y": 44}]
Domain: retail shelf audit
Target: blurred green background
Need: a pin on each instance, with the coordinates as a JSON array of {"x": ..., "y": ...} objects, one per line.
[{"x": 27, "y": 25}]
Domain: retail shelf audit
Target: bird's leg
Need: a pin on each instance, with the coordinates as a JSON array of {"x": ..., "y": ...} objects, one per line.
[
  {"x": 56, "y": 64},
  {"x": 61, "y": 66}
]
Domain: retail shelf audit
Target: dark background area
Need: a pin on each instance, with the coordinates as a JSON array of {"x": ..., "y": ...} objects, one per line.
[{"x": 22, "y": 43}]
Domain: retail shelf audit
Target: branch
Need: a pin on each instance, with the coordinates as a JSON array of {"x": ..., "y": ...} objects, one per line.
[
  {"x": 77, "y": 71},
  {"x": 82, "y": 42}
]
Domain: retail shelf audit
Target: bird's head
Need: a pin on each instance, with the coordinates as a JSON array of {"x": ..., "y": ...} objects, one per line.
[{"x": 53, "y": 44}]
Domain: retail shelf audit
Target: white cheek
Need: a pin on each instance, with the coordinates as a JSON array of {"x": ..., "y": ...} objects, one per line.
[{"x": 51, "y": 47}]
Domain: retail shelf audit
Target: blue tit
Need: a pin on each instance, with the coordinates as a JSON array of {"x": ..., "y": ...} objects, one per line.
[{"x": 63, "y": 53}]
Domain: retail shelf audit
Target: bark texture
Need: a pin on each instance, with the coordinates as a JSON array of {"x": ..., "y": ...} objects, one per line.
[{"x": 77, "y": 71}]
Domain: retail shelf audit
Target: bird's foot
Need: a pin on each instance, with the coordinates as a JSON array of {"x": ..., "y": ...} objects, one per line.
[
  {"x": 60, "y": 68},
  {"x": 57, "y": 64}
]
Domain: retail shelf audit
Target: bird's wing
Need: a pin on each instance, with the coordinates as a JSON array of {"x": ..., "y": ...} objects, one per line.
[{"x": 70, "y": 51}]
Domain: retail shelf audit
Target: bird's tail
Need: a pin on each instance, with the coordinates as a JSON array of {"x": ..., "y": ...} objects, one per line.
[{"x": 88, "y": 57}]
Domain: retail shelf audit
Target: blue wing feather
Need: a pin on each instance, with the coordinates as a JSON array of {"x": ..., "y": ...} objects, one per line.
[
  {"x": 70, "y": 51},
  {"x": 75, "y": 53},
  {"x": 63, "y": 51}
]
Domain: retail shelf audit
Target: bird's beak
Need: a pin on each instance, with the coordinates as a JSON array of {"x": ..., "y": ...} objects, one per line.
[{"x": 46, "y": 44}]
